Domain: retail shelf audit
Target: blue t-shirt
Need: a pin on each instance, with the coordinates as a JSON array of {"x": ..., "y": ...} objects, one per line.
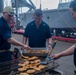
[
  {"x": 37, "y": 36},
  {"x": 75, "y": 55},
  {"x": 5, "y": 33}
]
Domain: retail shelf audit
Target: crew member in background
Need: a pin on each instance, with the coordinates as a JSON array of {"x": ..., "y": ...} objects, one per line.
[
  {"x": 37, "y": 32},
  {"x": 12, "y": 23},
  {"x": 5, "y": 35},
  {"x": 72, "y": 49}
]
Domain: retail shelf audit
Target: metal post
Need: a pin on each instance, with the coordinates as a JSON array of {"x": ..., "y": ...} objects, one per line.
[
  {"x": 16, "y": 9},
  {"x": 40, "y": 4},
  {"x": 1, "y": 6},
  {"x": 60, "y": 1},
  {"x": 16, "y": 6}
]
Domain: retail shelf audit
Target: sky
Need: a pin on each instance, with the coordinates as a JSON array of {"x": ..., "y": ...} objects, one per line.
[
  {"x": 45, "y": 3},
  {"x": 50, "y": 4}
]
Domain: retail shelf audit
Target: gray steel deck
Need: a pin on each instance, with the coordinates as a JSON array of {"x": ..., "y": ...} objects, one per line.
[{"x": 66, "y": 63}]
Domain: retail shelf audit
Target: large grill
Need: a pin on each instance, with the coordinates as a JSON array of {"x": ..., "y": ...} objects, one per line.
[{"x": 10, "y": 68}]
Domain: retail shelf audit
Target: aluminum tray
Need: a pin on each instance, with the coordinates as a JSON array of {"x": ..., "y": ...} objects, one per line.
[{"x": 26, "y": 53}]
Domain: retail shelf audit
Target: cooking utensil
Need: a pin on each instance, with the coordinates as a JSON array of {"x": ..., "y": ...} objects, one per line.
[
  {"x": 21, "y": 54},
  {"x": 43, "y": 62},
  {"x": 48, "y": 58},
  {"x": 16, "y": 53},
  {"x": 53, "y": 45}
]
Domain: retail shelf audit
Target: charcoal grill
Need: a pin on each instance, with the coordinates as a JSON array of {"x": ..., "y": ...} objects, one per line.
[{"x": 10, "y": 68}]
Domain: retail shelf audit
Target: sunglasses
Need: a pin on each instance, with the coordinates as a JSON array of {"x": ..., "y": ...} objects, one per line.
[{"x": 10, "y": 15}]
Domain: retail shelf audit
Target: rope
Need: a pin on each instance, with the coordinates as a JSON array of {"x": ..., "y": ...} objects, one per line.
[
  {"x": 58, "y": 17},
  {"x": 61, "y": 16},
  {"x": 66, "y": 22}
]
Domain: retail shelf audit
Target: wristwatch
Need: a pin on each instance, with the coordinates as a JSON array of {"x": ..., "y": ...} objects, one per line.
[{"x": 49, "y": 44}]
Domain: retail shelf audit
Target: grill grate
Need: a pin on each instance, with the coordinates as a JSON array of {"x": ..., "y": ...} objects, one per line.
[
  {"x": 7, "y": 67},
  {"x": 10, "y": 68}
]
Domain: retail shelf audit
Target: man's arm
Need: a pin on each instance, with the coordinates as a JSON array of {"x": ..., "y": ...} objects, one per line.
[
  {"x": 15, "y": 42},
  {"x": 49, "y": 41},
  {"x": 24, "y": 41},
  {"x": 67, "y": 52}
]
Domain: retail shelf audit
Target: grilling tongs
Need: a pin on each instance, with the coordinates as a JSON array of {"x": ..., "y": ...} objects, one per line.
[{"x": 53, "y": 45}]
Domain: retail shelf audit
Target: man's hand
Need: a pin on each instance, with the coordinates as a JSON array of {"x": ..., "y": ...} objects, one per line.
[
  {"x": 56, "y": 56},
  {"x": 25, "y": 47},
  {"x": 50, "y": 49}
]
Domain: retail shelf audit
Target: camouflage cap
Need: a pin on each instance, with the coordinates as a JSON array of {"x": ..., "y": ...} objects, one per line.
[{"x": 9, "y": 10}]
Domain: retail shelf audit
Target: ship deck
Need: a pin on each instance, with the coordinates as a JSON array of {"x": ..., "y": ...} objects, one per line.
[{"x": 66, "y": 63}]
